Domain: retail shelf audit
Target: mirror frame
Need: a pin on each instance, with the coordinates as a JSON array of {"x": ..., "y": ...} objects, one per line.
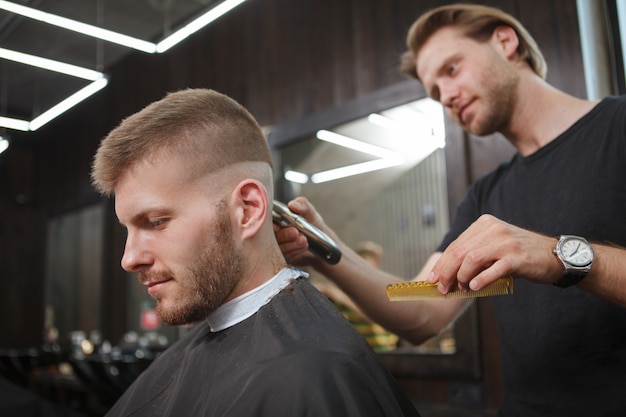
[{"x": 465, "y": 362}]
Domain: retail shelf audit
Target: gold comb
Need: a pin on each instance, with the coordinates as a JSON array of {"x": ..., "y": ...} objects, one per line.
[{"x": 422, "y": 290}]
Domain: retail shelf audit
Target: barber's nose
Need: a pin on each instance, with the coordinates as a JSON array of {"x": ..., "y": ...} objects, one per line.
[
  {"x": 449, "y": 94},
  {"x": 136, "y": 256}
]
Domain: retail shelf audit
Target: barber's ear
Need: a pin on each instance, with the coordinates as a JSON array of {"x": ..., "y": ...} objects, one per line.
[
  {"x": 251, "y": 207},
  {"x": 506, "y": 40}
]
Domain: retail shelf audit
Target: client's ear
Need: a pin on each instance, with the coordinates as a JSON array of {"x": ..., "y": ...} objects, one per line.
[{"x": 251, "y": 207}]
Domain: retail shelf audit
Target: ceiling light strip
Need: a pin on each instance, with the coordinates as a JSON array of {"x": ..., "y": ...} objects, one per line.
[
  {"x": 15, "y": 124},
  {"x": 99, "y": 80},
  {"x": 197, "y": 24},
  {"x": 356, "y": 169},
  {"x": 355, "y": 144},
  {"x": 297, "y": 177},
  {"x": 382, "y": 121},
  {"x": 68, "y": 103},
  {"x": 50, "y": 65},
  {"x": 73, "y": 25},
  {"x": 119, "y": 38},
  {"x": 4, "y": 144},
  {"x": 56, "y": 110}
]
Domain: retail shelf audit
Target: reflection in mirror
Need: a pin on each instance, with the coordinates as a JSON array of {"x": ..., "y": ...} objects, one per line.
[{"x": 382, "y": 179}]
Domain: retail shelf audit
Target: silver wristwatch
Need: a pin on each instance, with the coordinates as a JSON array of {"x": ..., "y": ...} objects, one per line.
[{"x": 576, "y": 254}]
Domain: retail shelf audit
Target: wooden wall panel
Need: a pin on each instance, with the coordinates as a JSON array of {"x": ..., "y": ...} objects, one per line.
[{"x": 22, "y": 243}]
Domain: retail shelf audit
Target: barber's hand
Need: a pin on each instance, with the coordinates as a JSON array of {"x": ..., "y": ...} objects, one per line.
[
  {"x": 292, "y": 243},
  {"x": 490, "y": 249}
]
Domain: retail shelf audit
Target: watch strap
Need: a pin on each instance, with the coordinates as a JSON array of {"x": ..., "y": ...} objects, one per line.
[{"x": 570, "y": 279}]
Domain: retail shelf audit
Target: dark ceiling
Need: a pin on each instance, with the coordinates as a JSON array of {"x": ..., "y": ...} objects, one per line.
[{"x": 27, "y": 91}]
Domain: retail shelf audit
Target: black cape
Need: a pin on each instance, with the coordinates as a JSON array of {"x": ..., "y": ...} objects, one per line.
[{"x": 297, "y": 356}]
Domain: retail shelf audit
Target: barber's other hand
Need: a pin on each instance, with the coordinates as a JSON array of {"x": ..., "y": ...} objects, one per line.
[
  {"x": 490, "y": 249},
  {"x": 292, "y": 243}
]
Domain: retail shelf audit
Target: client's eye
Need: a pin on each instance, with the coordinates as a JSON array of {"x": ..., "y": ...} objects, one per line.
[{"x": 157, "y": 223}]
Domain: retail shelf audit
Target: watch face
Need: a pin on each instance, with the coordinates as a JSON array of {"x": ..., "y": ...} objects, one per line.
[{"x": 577, "y": 252}]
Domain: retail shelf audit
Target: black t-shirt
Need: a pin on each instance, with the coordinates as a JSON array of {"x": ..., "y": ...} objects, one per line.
[
  {"x": 563, "y": 350},
  {"x": 296, "y": 356}
]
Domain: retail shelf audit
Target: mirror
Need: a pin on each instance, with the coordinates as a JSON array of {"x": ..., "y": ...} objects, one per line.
[{"x": 376, "y": 171}]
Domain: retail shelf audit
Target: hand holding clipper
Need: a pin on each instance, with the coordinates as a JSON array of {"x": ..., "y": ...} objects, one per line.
[{"x": 319, "y": 243}]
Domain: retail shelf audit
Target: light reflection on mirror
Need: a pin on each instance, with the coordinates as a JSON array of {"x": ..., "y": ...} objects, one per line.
[{"x": 381, "y": 178}]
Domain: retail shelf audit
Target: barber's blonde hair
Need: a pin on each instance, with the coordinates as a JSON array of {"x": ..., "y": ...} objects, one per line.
[
  {"x": 206, "y": 128},
  {"x": 478, "y": 23}
]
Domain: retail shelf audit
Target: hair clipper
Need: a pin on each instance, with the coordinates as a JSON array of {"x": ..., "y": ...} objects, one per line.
[{"x": 319, "y": 243}]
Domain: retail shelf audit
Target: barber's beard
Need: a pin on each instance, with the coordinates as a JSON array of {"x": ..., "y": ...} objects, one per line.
[
  {"x": 498, "y": 101},
  {"x": 209, "y": 279}
]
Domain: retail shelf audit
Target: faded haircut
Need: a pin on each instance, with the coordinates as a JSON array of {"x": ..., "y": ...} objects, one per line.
[
  {"x": 478, "y": 23},
  {"x": 206, "y": 128}
]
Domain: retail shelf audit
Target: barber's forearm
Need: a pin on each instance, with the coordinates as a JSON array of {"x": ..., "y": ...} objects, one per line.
[{"x": 415, "y": 321}]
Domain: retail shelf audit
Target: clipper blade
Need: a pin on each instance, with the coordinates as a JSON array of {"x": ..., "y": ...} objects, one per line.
[{"x": 422, "y": 290}]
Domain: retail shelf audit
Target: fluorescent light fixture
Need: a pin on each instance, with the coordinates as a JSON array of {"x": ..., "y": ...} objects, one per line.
[
  {"x": 411, "y": 132},
  {"x": 355, "y": 144},
  {"x": 413, "y": 124},
  {"x": 119, "y": 38},
  {"x": 50, "y": 64},
  {"x": 416, "y": 141},
  {"x": 387, "y": 158},
  {"x": 295, "y": 176},
  {"x": 98, "y": 79},
  {"x": 68, "y": 103},
  {"x": 73, "y": 25},
  {"x": 4, "y": 144},
  {"x": 382, "y": 121},
  {"x": 15, "y": 124},
  {"x": 349, "y": 170},
  {"x": 415, "y": 129},
  {"x": 55, "y": 110},
  {"x": 197, "y": 24},
  {"x": 404, "y": 127}
]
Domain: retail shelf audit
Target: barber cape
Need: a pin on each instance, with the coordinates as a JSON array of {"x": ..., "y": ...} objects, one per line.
[{"x": 282, "y": 349}]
